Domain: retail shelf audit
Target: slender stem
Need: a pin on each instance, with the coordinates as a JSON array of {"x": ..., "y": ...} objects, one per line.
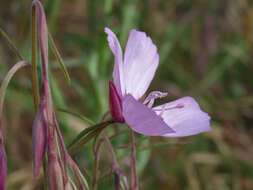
[
  {"x": 110, "y": 147},
  {"x": 11, "y": 44},
  {"x": 6, "y": 81},
  {"x": 96, "y": 165},
  {"x": 115, "y": 166},
  {"x": 134, "y": 177},
  {"x": 34, "y": 60},
  {"x": 104, "y": 116},
  {"x": 96, "y": 157},
  {"x": 78, "y": 175},
  {"x": 63, "y": 148}
]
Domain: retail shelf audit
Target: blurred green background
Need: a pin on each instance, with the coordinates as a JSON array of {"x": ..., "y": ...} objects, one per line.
[{"x": 206, "y": 51}]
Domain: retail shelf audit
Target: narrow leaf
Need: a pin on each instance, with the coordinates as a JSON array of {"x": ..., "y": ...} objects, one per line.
[
  {"x": 87, "y": 134},
  {"x": 34, "y": 60},
  {"x": 83, "y": 118},
  {"x": 59, "y": 58},
  {"x": 11, "y": 44}
]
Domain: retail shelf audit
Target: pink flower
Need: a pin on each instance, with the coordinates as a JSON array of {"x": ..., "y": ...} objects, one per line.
[{"x": 132, "y": 76}]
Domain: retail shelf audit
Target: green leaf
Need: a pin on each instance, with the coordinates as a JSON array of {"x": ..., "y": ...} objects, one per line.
[
  {"x": 59, "y": 59},
  {"x": 11, "y": 44},
  {"x": 86, "y": 135},
  {"x": 83, "y": 118}
]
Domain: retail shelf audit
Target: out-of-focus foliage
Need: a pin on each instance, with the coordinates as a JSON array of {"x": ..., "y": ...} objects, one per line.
[{"x": 205, "y": 51}]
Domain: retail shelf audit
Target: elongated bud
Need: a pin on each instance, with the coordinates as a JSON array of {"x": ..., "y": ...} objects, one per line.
[
  {"x": 3, "y": 165},
  {"x": 38, "y": 141},
  {"x": 43, "y": 36},
  {"x": 115, "y": 103},
  {"x": 55, "y": 175},
  {"x": 55, "y": 178}
]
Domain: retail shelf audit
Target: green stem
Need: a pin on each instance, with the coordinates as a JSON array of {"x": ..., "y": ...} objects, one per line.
[
  {"x": 134, "y": 177},
  {"x": 6, "y": 81},
  {"x": 45, "y": 173},
  {"x": 34, "y": 60},
  {"x": 96, "y": 164}
]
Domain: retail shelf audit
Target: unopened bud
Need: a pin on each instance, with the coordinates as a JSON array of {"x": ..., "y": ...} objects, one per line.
[
  {"x": 55, "y": 170},
  {"x": 115, "y": 103},
  {"x": 38, "y": 141},
  {"x": 55, "y": 178}
]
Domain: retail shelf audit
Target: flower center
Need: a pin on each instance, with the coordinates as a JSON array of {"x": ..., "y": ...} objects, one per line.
[
  {"x": 165, "y": 107},
  {"x": 149, "y": 101}
]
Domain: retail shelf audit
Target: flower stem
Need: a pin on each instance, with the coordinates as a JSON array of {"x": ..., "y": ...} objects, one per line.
[
  {"x": 134, "y": 177},
  {"x": 97, "y": 146},
  {"x": 6, "y": 81},
  {"x": 34, "y": 60},
  {"x": 63, "y": 149},
  {"x": 96, "y": 165}
]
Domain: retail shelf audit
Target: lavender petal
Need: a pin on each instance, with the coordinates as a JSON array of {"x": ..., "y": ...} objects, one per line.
[{"x": 143, "y": 119}]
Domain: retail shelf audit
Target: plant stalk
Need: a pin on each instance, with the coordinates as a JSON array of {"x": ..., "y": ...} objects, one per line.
[{"x": 134, "y": 177}]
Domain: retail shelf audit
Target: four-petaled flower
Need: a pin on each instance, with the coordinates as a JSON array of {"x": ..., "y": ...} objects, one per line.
[{"x": 132, "y": 76}]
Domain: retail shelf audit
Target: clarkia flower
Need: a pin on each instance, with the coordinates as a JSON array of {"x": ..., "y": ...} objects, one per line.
[{"x": 132, "y": 76}]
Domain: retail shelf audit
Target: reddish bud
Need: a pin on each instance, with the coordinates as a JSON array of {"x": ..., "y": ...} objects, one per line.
[
  {"x": 55, "y": 170},
  {"x": 115, "y": 103},
  {"x": 38, "y": 141},
  {"x": 55, "y": 178}
]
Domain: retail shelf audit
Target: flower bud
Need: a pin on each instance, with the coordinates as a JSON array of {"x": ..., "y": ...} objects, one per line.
[
  {"x": 38, "y": 141},
  {"x": 115, "y": 103},
  {"x": 55, "y": 175}
]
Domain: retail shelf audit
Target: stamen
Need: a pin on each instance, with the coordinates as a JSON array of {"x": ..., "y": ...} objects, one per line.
[
  {"x": 152, "y": 96},
  {"x": 164, "y": 108}
]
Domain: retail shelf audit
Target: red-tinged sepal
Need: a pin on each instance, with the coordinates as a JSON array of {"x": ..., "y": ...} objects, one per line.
[{"x": 115, "y": 103}]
